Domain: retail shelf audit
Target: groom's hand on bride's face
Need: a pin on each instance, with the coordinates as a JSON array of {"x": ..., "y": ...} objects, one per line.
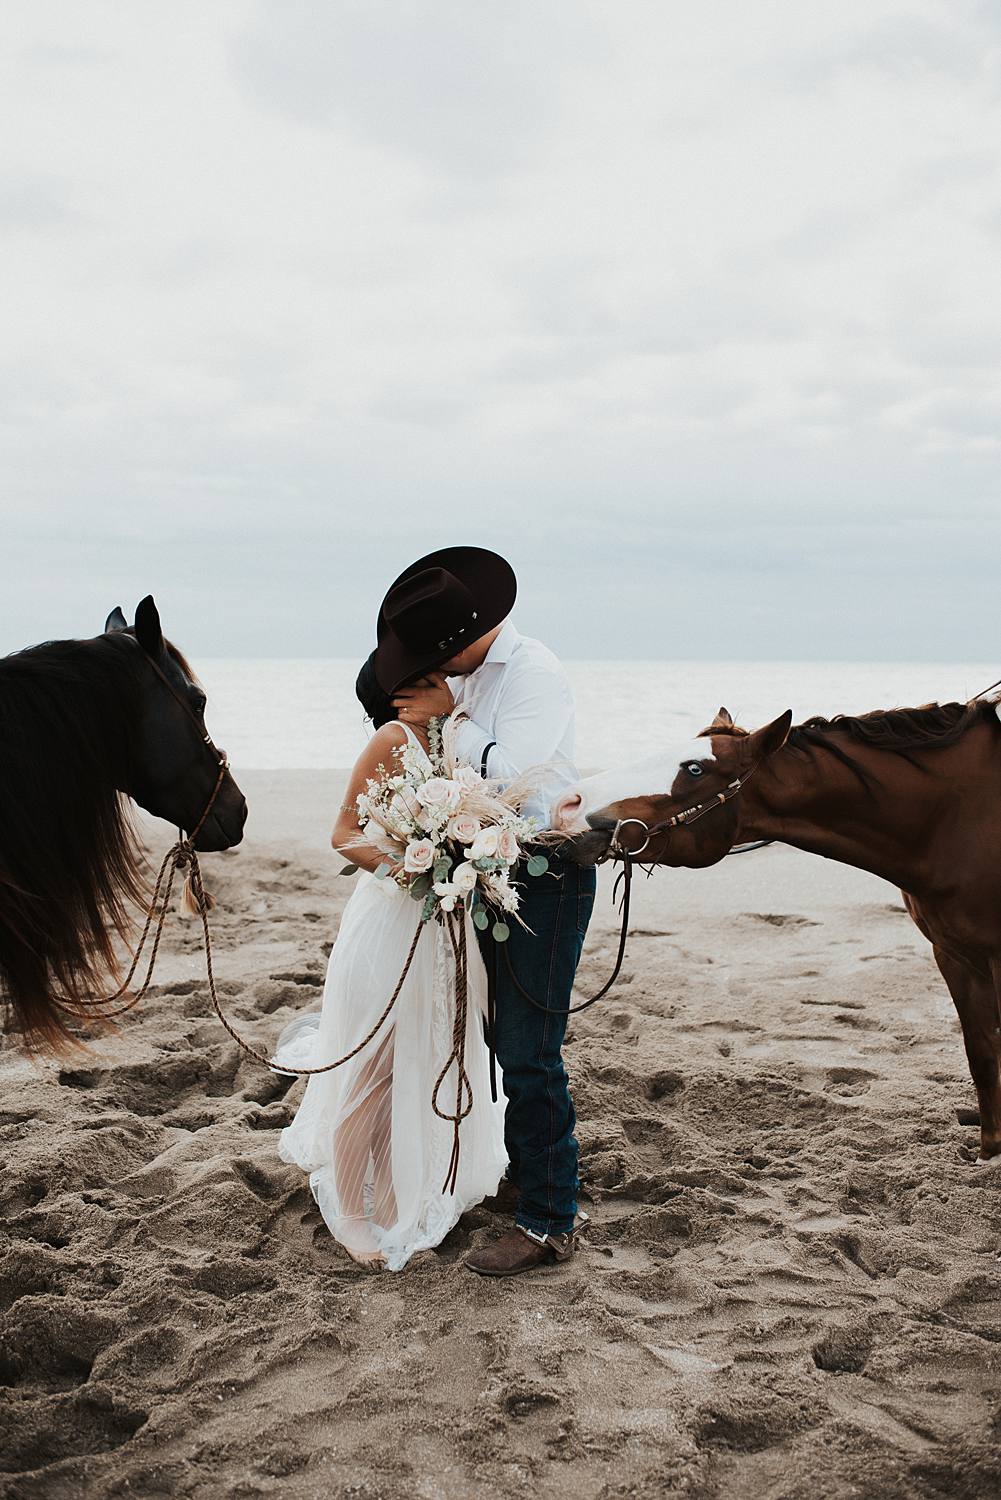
[{"x": 426, "y": 699}]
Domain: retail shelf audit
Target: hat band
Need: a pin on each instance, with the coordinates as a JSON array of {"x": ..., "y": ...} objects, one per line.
[{"x": 451, "y": 639}]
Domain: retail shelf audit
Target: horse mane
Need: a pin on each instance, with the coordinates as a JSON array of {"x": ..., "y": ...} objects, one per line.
[
  {"x": 70, "y": 858},
  {"x": 933, "y": 726}
]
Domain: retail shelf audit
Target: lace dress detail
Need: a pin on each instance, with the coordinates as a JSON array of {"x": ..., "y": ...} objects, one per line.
[{"x": 374, "y": 1149}]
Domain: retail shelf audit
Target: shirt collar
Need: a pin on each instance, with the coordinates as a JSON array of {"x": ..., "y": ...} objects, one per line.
[{"x": 503, "y": 647}]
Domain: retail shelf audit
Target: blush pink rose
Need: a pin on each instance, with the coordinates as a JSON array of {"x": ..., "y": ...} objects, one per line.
[
  {"x": 419, "y": 857},
  {"x": 507, "y": 846},
  {"x": 463, "y": 828}
]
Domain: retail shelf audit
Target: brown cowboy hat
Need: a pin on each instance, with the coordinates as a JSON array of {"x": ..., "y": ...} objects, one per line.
[{"x": 438, "y": 606}]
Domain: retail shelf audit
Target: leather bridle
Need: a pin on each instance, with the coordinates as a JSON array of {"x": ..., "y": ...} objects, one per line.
[
  {"x": 688, "y": 815},
  {"x": 221, "y": 759}
]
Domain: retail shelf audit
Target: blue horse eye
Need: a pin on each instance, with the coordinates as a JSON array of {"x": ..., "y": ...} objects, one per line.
[{"x": 693, "y": 768}]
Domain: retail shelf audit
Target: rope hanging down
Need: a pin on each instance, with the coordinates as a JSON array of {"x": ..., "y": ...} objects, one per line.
[
  {"x": 455, "y": 926},
  {"x": 180, "y": 856}
]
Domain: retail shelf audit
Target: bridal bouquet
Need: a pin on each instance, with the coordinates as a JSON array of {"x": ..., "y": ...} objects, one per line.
[{"x": 451, "y": 837}]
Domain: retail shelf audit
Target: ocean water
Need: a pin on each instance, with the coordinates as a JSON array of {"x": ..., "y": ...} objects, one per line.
[{"x": 302, "y": 713}]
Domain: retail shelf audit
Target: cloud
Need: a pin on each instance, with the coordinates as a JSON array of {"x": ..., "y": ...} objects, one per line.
[
  {"x": 465, "y": 89},
  {"x": 676, "y": 304},
  {"x": 36, "y": 203}
]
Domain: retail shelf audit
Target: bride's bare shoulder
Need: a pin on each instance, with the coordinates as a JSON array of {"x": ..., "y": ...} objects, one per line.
[
  {"x": 391, "y": 733},
  {"x": 380, "y": 747}
]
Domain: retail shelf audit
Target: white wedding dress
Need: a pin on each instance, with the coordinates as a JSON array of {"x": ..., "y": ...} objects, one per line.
[{"x": 376, "y": 1153}]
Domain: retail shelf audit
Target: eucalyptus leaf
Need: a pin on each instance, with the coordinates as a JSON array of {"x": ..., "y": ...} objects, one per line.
[
  {"x": 480, "y": 919},
  {"x": 538, "y": 864},
  {"x": 420, "y": 887},
  {"x": 501, "y": 932},
  {"x": 348, "y": 870},
  {"x": 383, "y": 871},
  {"x": 441, "y": 869}
]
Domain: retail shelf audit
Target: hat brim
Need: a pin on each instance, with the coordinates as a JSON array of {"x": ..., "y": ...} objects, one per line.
[
  {"x": 490, "y": 580},
  {"x": 395, "y": 663}
]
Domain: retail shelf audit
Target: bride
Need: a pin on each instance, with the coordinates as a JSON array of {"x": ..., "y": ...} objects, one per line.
[{"x": 376, "y": 1153}]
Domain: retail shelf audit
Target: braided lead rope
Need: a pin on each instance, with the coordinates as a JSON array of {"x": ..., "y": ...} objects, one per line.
[
  {"x": 183, "y": 856},
  {"x": 199, "y": 894},
  {"x": 178, "y": 857},
  {"x": 463, "y": 1087},
  {"x": 174, "y": 858}
]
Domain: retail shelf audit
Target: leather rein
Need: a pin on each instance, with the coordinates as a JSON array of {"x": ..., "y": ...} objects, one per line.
[
  {"x": 628, "y": 858},
  {"x": 182, "y": 855}
]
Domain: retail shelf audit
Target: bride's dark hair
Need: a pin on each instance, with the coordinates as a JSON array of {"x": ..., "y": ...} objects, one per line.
[{"x": 374, "y": 700}]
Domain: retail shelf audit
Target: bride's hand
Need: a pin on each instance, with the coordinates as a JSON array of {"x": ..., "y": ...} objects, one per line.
[{"x": 425, "y": 700}]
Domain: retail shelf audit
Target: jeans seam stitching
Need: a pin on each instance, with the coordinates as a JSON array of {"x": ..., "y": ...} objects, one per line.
[{"x": 545, "y": 1038}]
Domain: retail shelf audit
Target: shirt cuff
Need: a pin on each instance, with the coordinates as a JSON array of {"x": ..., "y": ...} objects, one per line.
[{"x": 470, "y": 743}]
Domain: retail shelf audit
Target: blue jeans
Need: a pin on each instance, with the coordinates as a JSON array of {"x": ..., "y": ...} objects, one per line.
[{"x": 539, "y": 1120}]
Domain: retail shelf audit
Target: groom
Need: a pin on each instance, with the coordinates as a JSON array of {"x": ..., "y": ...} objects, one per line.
[{"x": 446, "y": 618}]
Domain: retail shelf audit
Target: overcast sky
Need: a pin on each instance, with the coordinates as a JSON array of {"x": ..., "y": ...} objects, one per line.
[{"x": 694, "y": 311}]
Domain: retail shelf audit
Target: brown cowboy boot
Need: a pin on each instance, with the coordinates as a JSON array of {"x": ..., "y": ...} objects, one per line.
[
  {"x": 518, "y": 1250},
  {"x": 505, "y": 1200}
]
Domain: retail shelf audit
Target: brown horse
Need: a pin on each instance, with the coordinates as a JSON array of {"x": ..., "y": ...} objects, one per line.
[
  {"x": 913, "y": 795},
  {"x": 83, "y": 726}
]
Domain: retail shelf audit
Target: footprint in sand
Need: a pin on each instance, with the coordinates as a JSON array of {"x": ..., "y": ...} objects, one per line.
[
  {"x": 88, "y": 1420},
  {"x": 848, "y": 1081},
  {"x": 51, "y": 1342},
  {"x": 260, "y": 1183},
  {"x": 640, "y": 1130},
  {"x": 663, "y": 1084},
  {"x": 779, "y": 919}
]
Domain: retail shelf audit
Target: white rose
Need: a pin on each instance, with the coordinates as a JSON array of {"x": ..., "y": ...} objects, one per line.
[
  {"x": 447, "y": 893},
  {"x": 419, "y": 857},
  {"x": 405, "y": 803},
  {"x": 464, "y": 877},
  {"x": 438, "y": 791},
  {"x": 467, "y": 777},
  {"x": 463, "y": 828},
  {"x": 507, "y": 846},
  {"x": 485, "y": 844}
]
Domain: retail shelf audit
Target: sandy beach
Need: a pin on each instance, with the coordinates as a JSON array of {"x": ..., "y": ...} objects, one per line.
[{"x": 790, "y": 1285}]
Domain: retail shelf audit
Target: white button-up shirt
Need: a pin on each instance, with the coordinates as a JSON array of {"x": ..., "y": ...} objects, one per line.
[{"x": 519, "y": 698}]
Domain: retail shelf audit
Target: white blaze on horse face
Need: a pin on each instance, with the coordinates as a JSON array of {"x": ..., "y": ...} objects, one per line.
[{"x": 653, "y": 777}]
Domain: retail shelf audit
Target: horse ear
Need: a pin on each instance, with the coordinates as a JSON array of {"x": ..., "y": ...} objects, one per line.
[
  {"x": 772, "y": 737},
  {"x": 722, "y": 720},
  {"x": 116, "y": 620},
  {"x": 148, "y": 632}
]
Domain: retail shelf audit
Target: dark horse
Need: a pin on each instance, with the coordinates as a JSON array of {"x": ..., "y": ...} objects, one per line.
[
  {"x": 83, "y": 726},
  {"x": 914, "y": 795}
]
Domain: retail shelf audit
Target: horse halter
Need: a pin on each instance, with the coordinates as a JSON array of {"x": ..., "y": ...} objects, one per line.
[
  {"x": 616, "y": 850},
  {"x": 221, "y": 759}
]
